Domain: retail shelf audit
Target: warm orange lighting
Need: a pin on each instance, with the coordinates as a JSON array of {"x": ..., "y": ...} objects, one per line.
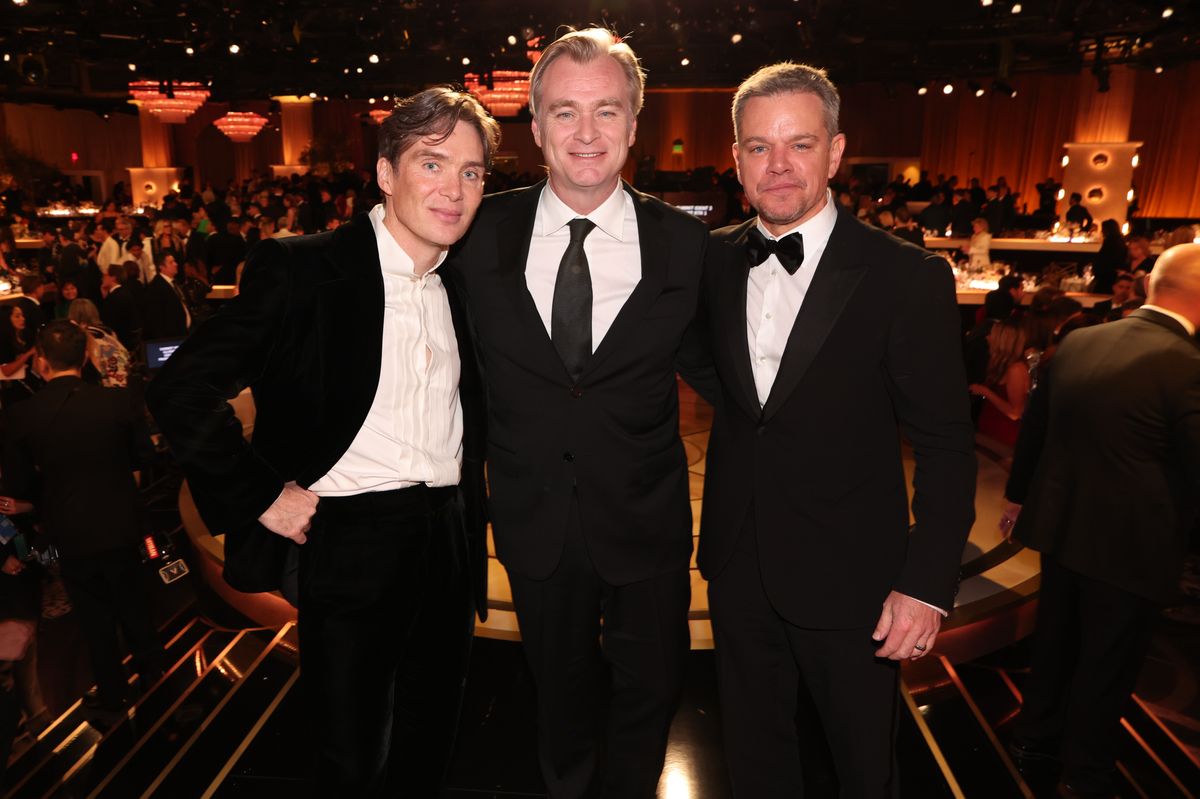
[
  {"x": 509, "y": 92},
  {"x": 241, "y": 126},
  {"x": 173, "y": 106},
  {"x": 379, "y": 114}
]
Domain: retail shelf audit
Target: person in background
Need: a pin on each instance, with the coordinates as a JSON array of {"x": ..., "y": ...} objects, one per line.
[
  {"x": 979, "y": 247},
  {"x": 68, "y": 292},
  {"x": 16, "y": 356},
  {"x": 998, "y": 305},
  {"x": 106, "y": 353},
  {"x": 73, "y": 449},
  {"x": 1077, "y": 215},
  {"x": 906, "y": 229},
  {"x": 1122, "y": 292},
  {"x": 33, "y": 287},
  {"x": 120, "y": 308},
  {"x": 1103, "y": 485},
  {"x": 1005, "y": 388},
  {"x": 1112, "y": 258},
  {"x": 1141, "y": 261}
]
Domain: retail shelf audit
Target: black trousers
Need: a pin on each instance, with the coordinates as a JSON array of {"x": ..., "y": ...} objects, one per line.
[
  {"x": 761, "y": 660},
  {"x": 1087, "y": 650},
  {"x": 109, "y": 590},
  {"x": 385, "y": 632},
  {"x": 607, "y": 661}
]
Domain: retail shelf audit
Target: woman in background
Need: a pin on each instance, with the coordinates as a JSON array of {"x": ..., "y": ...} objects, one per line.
[
  {"x": 16, "y": 354},
  {"x": 1006, "y": 386}
]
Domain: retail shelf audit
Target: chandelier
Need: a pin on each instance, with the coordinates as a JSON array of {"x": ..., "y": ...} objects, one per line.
[
  {"x": 508, "y": 93},
  {"x": 172, "y": 102},
  {"x": 379, "y": 114},
  {"x": 241, "y": 126}
]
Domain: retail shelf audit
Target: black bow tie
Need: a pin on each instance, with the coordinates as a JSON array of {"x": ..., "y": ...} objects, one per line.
[{"x": 789, "y": 250}]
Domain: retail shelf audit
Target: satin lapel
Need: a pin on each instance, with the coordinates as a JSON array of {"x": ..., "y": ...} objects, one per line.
[
  {"x": 349, "y": 297},
  {"x": 655, "y": 256},
  {"x": 837, "y": 275},
  {"x": 512, "y": 250},
  {"x": 733, "y": 279}
]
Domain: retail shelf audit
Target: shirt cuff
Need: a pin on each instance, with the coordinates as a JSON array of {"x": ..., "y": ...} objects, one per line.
[{"x": 926, "y": 604}]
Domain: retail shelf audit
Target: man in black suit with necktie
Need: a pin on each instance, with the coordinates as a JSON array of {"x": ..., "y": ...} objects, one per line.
[
  {"x": 368, "y": 400},
  {"x": 830, "y": 339},
  {"x": 581, "y": 290},
  {"x": 164, "y": 310},
  {"x": 1106, "y": 482}
]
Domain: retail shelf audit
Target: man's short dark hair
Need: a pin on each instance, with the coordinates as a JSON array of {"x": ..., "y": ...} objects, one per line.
[
  {"x": 133, "y": 272},
  {"x": 116, "y": 270},
  {"x": 434, "y": 113},
  {"x": 1076, "y": 197},
  {"x": 161, "y": 256},
  {"x": 1009, "y": 282},
  {"x": 63, "y": 344},
  {"x": 998, "y": 304},
  {"x": 30, "y": 284}
]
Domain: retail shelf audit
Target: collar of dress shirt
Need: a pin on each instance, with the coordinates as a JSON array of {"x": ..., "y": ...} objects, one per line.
[
  {"x": 167, "y": 278},
  {"x": 392, "y": 257},
  {"x": 553, "y": 214},
  {"x": 815, "y": 231},
  {"x": 1178, "y": 317}
]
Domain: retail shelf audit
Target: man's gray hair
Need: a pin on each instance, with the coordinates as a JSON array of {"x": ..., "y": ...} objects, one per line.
[
  {"x": 585, "y": 46},
  {"x": 787, "y": 77}
]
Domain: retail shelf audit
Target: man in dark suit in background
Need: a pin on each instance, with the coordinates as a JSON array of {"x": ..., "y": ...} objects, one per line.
[
  {"x": 120, "y": 308},
  {"x": 32, "y": 289},
  {"x": 74, "y": 448},
  {"x": 368, "y": 399},
  {"x": 830, "y": 338},
  {"x": 164, "y": 310},
  {"x": 581, "y": 289},
  {"x": 1105, "y": 482}
]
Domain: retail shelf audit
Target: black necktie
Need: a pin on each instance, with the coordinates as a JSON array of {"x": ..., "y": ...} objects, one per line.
[
  {"x": 571, "y": 313},
  {"x": 789, "y": 250}
]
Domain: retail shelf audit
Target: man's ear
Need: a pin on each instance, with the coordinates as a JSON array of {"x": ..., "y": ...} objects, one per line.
[{"x": 383, "y": 176}]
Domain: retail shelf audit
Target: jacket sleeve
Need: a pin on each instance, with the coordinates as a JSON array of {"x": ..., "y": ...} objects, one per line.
[
  {"x": 1030, "y": 439},
  {"x": 231, "y": 482},
  {"x": 929, "y": 395},
  {"x": 694, "y": 361}
]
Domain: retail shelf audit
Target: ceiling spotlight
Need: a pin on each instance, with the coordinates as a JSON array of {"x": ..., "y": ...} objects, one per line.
[
  {"x": 975, "y": 88},
  {"x": 683, "y": 62},
  {"x": 923, "y": 91},
  {"x": 234, "y": 49},
  {"x": 358, "y": 70},
  {"x": 132, "y": 67},
  {"x": 7, "y": 58},
  {"x": 386, "y": 98},
  {"x": 373, "y": 58},
  {"x": 1167, "y": 13},
  {"x": 371, "y": 101},
  {"x": 312, "y": 95},
  {"x": 346, "y": 71},
  {"x": 189, "y": 50},
  {"x": 1157, "y": 70},
  {"x": 512, "y": 39},
  {"x": 20, "y": 2},
  {"x": 735, "y": 38},
  {"x": 948, "y": 88},
  {"x": 1016, "y": 9},
  {"x": 985, "y": 3},
  {"x": 466, "y": 62}
]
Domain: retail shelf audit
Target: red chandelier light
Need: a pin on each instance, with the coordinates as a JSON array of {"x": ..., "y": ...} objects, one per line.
[
  {"x": 509, "y": 91},
  {"x": 171, "y": 102},
  {"x": 379, "y": 114},
  {"x": 241, "y": 126}
]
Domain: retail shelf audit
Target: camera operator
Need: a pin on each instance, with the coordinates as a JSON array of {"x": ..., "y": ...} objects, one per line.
[{"x": 75, "y": 447}]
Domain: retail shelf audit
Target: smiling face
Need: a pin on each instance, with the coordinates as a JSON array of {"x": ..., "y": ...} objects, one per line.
[
  {"x": 585, "y": 126},
  {"x": 432, "y": 192},
  {"x": 68, "y": 292},
  {"x": 18, "y": 318},
  {"x": 785, "y": 158}
]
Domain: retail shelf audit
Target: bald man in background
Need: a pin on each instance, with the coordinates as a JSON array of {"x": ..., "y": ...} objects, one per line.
[{"x": 1104, "y": 484}]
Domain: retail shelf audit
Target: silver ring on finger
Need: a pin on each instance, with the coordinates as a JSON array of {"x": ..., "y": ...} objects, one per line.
[{"x": 919, "y": 647}]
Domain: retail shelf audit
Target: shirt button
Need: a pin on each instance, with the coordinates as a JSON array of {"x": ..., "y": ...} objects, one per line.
[
  {"x": 569, "y": 457},
  {"x": 768, "y": 316},
  {"x": 762, "y": 359}
]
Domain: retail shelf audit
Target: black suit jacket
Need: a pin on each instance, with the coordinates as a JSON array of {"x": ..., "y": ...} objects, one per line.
[
  {"x": 874, "y": 350},
  {"x": 613, "y": 438},
  {"x": 121, "y": 311},
  {"x": 1107, "y": 465},
  {"x": 305, "y": 333},
  {"x": 72, "y": 448},
  {"x": 163, "y": 315}
]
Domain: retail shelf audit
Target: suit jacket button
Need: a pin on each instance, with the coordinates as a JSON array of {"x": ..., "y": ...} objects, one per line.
[
  {"x": 576, "y": 392},
  {"x": 568, "y": 457}
]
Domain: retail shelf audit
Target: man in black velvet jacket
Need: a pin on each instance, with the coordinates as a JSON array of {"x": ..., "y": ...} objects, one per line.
[
  {"x": 369, "y": 402},
  {"x": 830, "y": 339}
]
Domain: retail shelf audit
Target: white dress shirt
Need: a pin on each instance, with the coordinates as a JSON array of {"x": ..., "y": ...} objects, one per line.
[
  {"x": 613, "y": 253},
  {"x": 773, "y": 297},
  {"x": 413, "y": 432}
]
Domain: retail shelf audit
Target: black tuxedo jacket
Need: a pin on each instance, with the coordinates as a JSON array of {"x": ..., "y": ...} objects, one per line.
[
  {"x": 306, "y": 334},
  {"x": 1107, "y": 465},
  {"x": 874, "y": 350},
  {"x": 163, "y": 315},
  {"x": 613, "y": 438},
  {"x": 72, "y": 449},
  {"x": 120, "y": 310}
]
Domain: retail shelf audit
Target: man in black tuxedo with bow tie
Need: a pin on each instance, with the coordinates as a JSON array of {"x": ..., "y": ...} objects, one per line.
[
  {"x": 830, "y": 338},
  {"x": 581, "y": 289}
]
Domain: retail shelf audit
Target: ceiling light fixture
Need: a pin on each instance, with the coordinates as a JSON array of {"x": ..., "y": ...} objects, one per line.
[
  {"x": 373, "y": 58},
  {"x": 948, "y": 88}
]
